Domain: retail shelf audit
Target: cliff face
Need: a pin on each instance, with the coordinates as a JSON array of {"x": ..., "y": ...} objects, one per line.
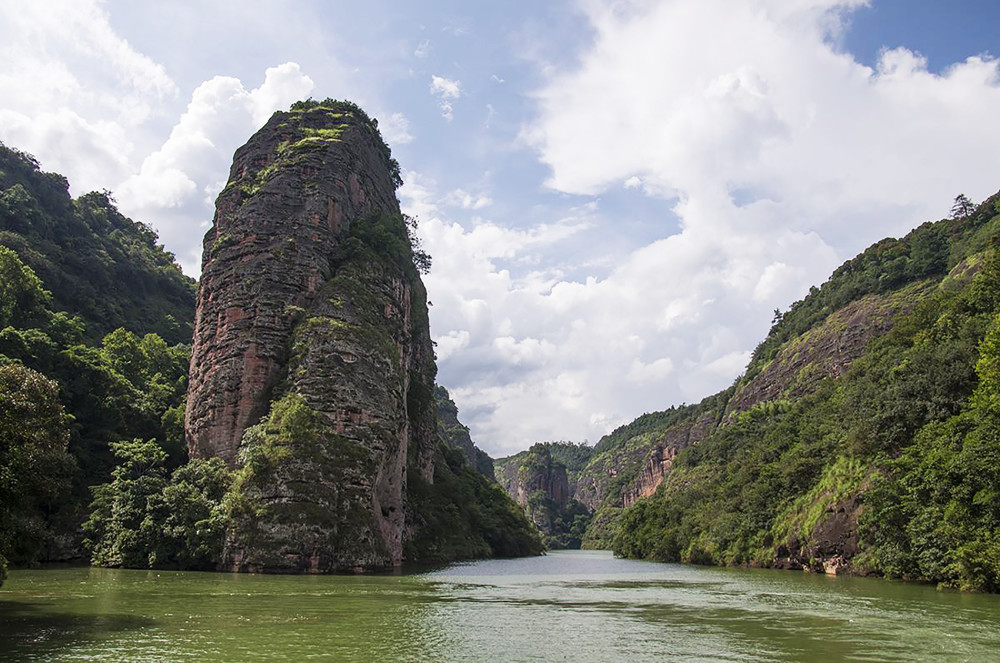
[
  {"x": 661, "y": 456},
  {"x": 827, "y": 350},
  {"x": 543, "y": 481},
  {"x": 538, "y": 473},
  {"x": 294, "y": 190},
  {"x": 311, "y": 328},
  {"x": 456, "y": 434}
]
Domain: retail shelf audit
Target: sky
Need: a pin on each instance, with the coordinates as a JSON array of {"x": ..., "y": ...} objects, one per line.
[{"x": 616, "y": 195}]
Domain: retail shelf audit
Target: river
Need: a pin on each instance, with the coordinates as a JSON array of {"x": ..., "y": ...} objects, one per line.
[{"x": 565, "y": 606}]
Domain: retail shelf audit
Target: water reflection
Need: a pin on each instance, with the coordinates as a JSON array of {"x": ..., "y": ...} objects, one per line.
[{"x": 565, "y": 606}]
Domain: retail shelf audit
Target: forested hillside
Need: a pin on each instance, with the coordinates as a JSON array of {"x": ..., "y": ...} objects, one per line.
[
  {"x": 97, "y": 264},
  {"x": 92, "y": 316},
  {"x": 863, "y": 436}
]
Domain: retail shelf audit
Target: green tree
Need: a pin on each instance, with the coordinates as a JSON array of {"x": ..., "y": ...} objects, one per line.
[
  {"x": 34, "y": 466},
  {"x": 190, "y": 517},
  {"x": 22, "y": 297},
  {"x": 119, "y": 531},
  {"x": 962, "y": 207},
  {"x": 143, "y": 520}
]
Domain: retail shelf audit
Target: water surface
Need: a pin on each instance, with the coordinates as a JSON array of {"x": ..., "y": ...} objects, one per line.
[{"x": 566, "y": 606}]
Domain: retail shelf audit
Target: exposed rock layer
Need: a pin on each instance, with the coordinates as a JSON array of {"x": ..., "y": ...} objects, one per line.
[
  {"x": 310, "y": 308},
  {"x": 544, "y": 475},
  {"x": 662, "y": 455}
]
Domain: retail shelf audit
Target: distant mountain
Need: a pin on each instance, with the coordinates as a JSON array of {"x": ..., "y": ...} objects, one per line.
[{"x": 543, "y": 480}]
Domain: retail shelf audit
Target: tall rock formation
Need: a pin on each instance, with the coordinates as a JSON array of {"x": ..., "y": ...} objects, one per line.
[{"x": 312, "y": 367}]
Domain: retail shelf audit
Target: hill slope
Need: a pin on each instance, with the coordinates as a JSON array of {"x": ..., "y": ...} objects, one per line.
[
  {"x": 861, "y": 437},
  {"x": 93, "y": 317},
  {"x": 98, "y": 264}
]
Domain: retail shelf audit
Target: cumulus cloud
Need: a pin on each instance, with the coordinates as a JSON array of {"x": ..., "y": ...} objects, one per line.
[
  {"x": 465, "y": 200},
  {"x": 73, "y": 102},
  {"x": 778, "y": 155},
  {"x": 445, "y": 90},
  {"x": 79, "y": 103},
  {"x": 176, "y": 185},
  {"x": 395, "y": 129}
]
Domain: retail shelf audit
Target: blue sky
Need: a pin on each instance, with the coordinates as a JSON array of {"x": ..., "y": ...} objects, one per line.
[{"x": 616, "y": 195}]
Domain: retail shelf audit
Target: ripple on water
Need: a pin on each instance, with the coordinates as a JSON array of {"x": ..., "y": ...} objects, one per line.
[{"x": 561, "y": 607}]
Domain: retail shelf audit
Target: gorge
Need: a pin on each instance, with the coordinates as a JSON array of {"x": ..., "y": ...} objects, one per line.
[{"x": 307, "y": 434}]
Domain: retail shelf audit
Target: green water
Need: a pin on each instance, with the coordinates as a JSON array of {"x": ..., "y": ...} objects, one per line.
[{"x": 566, "y": 606}]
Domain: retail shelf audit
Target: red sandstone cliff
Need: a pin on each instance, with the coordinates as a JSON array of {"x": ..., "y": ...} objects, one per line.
[{"x": 312, "y": 323}]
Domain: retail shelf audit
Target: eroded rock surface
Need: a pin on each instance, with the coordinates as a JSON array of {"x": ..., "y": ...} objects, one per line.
[
  {"x": 662, "y": 455},
  {"x": 311, "y": 333}
]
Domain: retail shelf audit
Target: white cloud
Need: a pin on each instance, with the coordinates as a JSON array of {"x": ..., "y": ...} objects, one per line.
[
  {"x": 73, "y": 102},
  {"x": 395, "y": 129},
  {"x": 78, "y": 96},
  {"x": 465, "y": 200},
  {"x": 779, "y": 155},
  {"x": 772, "y": 155},
  {"x": 445, "y": 90},
  {"x": 654, "y": 371},
  {"x": 175, "y": 187}
]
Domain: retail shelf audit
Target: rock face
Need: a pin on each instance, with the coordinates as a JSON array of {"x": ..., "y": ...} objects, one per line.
[
  {"x": 456, "y": 434},
  {"x": 831, "y": 545},
  {"x": 543, "y": 481},
  {"x": 538, "y": 473},
  {"x": 826, "y": 351},
  {"x": 662, "y": 455},
  {"x": 312, "y": 366}
]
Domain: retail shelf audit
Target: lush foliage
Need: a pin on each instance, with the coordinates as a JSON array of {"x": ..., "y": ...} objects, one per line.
[
  {"x": 906, "y": 443},
  {"x": 84, "y": 250},
  {"x": 34, "y": 466},
  {"x": 618, "y": 459},
  {"x": 929, "y": 251},
  {"x": 345, "y": 106},
  {"x": 464, "y": 515},
  {"x": 104, "y": 346},
  {"x": 391, "y": 237},
  {"x": 143, "y": 519}
]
